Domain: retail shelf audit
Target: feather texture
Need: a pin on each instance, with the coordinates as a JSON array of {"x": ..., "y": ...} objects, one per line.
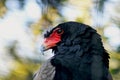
[
  {"x": 79, "y": 55},
  {"x": 46, "y": 72}
]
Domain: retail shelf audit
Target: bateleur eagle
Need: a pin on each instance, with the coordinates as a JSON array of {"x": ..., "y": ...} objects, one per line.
[{"x": 78, "y": 54}]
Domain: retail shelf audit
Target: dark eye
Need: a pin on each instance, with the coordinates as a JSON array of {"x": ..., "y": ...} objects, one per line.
[{"x": 59, "y": 31}]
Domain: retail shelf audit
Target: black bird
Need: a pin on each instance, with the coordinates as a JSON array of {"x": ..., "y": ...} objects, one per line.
[{"x": 78, "y": 54}]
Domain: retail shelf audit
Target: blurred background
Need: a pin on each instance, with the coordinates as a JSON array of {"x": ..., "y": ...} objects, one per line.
[{"x": 22, "y": 23}]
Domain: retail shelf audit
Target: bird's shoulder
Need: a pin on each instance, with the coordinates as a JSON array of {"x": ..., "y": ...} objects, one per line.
[{"x": 46, "y": 71}]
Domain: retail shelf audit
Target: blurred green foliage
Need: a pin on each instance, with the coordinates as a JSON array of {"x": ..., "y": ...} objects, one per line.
[{"x": 52, "y": 15}]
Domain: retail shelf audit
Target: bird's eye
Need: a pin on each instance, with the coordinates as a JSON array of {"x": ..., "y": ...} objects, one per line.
[{"x": 59, "y": 31}]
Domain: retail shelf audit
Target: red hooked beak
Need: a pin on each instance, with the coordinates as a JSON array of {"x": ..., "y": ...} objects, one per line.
[{"x": 52, "y": 40}]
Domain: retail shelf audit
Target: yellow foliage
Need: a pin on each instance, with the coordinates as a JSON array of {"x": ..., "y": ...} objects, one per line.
[{"x": 3, "y": 9}]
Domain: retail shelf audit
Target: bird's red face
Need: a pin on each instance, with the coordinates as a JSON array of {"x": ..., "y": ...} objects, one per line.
[{"x": 52, "y": 40}]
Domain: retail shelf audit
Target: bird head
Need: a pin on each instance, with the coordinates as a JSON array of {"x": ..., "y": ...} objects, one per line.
[
  {"x": 73, "y": 38},
  {"x": 68, "y": 33}
]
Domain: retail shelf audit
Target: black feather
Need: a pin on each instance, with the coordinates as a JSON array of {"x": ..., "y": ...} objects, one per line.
[{"x": 80, "y": 55}]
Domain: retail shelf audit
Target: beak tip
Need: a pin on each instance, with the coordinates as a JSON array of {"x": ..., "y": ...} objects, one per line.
[{"x": 42, "y": 49}]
